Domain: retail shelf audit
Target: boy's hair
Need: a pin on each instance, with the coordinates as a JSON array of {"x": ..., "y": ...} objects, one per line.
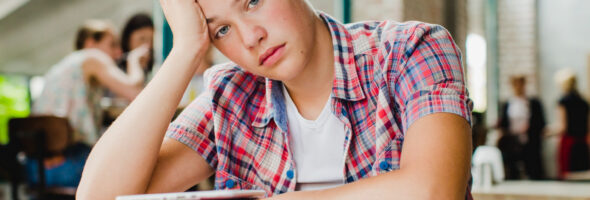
[{"x": 94, "y": 29}]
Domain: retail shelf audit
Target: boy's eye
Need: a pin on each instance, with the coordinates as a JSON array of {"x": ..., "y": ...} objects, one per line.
[
  {"x": 222, "y": 31},
  {"x": 252, "y": 3}
]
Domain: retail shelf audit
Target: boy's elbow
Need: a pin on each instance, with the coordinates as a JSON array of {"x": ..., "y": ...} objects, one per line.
[
  {"x": 91, "y": 194},
  {"x": 89, "y": 190},
  {"x": 441, "y": 192},
  {"x": 438, "y": 186},
  {"x": 83, "y": 193}
]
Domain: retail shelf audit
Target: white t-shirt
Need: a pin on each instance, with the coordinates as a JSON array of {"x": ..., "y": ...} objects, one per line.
[
  {"x": 317, "y": 147},
  {"x": 519, "y": 115}
]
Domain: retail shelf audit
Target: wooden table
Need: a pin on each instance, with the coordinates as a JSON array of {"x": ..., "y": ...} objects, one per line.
[{"x": 538, "y": 190}]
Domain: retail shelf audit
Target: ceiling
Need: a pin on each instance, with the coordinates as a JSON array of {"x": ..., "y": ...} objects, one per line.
[
  {"x": 8, "y": 6},
  {"x": 38, "y": 33}
]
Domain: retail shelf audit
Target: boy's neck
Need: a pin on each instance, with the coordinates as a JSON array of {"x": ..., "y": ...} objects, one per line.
[{"x": 312, "y": 87}]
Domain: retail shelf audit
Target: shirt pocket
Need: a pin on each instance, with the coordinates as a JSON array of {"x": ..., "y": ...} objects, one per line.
[{"x": 227, "y": 181}]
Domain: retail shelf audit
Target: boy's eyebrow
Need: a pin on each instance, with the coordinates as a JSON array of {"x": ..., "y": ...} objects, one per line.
[{"x": 212, "y": 19}]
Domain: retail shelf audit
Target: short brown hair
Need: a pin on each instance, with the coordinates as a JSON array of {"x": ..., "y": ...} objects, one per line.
[{"x": 95, "y": 29}]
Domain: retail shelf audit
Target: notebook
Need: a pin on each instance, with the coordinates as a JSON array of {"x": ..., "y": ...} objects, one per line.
[{"x": 217, "y": 194}]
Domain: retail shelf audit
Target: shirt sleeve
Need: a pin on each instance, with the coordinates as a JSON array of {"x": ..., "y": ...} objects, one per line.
[
  {"x": 194, "y": 128},
  {"x": 430, "y": 75}
]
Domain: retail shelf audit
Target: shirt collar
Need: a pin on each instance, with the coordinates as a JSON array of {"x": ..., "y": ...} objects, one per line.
[{"x": 346, "y": 85}]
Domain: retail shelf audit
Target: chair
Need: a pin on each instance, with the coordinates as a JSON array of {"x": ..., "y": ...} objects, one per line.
[
  {"x": 487, "y": 168},
  {"x": 39, "y": 138}
]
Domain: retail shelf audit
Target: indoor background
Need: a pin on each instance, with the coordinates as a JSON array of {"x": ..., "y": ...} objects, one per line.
[{"x": 500, "y": 39}]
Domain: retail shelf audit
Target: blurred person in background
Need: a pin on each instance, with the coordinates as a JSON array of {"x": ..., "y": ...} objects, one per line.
[
  {"x": 522, "y": 122},
  {"x": 572, "y": 116},
  {"x": 138, "y": 31},
  {"x": 73, "y": 89}
]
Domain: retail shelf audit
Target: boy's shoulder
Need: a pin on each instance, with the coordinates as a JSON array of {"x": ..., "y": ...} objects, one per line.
[{"x": 389, "y": 34}]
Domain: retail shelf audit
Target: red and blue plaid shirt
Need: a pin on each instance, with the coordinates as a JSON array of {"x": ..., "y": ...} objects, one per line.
[{"x": 387, "y": 75}]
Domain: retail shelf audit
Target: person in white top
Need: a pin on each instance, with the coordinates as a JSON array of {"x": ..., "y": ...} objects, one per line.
[
  {"x": 73, "y": 89},
  {"x": 521, "y": 124}
]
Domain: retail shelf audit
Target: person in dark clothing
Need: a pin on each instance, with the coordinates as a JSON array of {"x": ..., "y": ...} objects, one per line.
[
  {"x": 573, "y": 117},
  {"x": 521, "y": 124}
]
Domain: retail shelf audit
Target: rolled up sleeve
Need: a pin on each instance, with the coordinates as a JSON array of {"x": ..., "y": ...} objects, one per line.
[
  {"x": 430, "y": 76},
  {"x": 194, "y": 128}
]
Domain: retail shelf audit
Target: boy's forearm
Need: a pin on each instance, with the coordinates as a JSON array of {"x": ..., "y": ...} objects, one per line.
[
  {"x": 123, "y": 159},
  {"x": 393, "y": 185}
]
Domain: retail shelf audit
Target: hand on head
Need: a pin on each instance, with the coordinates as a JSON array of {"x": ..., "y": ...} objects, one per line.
[{"x": 187, "y": 22}]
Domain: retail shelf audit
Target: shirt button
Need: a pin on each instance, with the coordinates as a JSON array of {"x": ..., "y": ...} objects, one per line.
[
  {"x": 384, "y": 165},
  {"x": 230, "y": 184},
  {"x": 290, "y": 174}
]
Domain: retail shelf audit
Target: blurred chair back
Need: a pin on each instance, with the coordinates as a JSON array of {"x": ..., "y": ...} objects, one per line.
[
  {"x": 487, "y": 167},
  {"x": 40, "y": 137}
]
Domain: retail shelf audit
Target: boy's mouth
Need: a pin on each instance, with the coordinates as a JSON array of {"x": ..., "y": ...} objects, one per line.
[{"x": 271, "y": 55}]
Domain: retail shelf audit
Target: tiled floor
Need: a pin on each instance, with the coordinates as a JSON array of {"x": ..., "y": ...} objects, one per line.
[{"x": 538, "y": 190}]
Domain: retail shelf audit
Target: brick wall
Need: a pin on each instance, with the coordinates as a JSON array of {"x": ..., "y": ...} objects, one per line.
[
  {"x": 425, "y": 10},
  {"x": 377, "y": 10},
  {"x": 517, "y": 47},
  {"x": 452, "y": 14}
]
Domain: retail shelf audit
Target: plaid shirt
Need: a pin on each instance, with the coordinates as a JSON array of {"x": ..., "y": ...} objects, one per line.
[{"x": 387, "y": 75}]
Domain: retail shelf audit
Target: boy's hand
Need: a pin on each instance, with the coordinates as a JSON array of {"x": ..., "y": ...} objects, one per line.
[{"x": 187, "y": 22}]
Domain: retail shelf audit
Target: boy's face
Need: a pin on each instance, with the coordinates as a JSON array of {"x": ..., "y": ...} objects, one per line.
[{"x": 270, "y": 38}]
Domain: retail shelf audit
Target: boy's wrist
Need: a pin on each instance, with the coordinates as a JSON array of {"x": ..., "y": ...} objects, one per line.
[
  {"x": 193, "y": 54},
  {"x": 189, "y": 50},
  {"x": 194, "y": 47}
]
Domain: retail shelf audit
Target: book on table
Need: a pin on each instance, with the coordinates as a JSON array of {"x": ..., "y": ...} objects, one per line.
[{"x": 214, "y": 194}]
